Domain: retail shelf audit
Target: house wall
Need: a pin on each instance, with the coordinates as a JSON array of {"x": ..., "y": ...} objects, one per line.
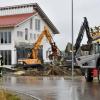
[{"x": 9, "y": 46}]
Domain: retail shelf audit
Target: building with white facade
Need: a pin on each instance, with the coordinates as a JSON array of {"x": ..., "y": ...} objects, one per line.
[{"x": 20, "y": 26}]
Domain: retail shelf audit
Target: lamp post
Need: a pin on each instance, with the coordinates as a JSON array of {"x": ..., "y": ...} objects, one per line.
[{"x": 72, "y": 39}]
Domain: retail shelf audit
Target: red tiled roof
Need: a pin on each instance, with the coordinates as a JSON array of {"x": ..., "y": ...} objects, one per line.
[{"x": 12, "y": 20}]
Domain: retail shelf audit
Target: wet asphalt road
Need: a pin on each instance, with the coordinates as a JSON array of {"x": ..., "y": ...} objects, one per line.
[{"x": 54, "y": 88}]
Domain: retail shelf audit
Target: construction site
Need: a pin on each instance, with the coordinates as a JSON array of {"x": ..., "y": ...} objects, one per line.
[{"x": 34, "y": 67}]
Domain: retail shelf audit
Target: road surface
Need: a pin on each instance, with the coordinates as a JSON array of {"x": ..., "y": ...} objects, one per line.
[{"x": 53, "y": 88}]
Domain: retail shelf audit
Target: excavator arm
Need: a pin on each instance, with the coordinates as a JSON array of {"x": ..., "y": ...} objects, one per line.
[
  {"x": 84, "y": 27},
  {"x": 34, "y": 54},
  {"x": 47, "y": 34},
  {"x": 56, "y": 53}
]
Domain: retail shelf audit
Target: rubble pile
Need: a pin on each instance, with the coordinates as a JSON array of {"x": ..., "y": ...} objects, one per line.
[{"x": 51, "y": 70}]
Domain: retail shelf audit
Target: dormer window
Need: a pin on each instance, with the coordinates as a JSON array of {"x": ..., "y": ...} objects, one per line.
[
  {"x": 31, "y": 23},
  {"x": 37, "y": 24},
  {"x": 26, "y": 33}
]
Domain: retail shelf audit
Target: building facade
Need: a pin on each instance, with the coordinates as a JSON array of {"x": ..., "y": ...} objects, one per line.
[{"x": 20, "y": 26}]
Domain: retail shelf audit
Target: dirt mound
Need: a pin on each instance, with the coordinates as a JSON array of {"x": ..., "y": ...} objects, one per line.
[{"x": 51, "y": 70}]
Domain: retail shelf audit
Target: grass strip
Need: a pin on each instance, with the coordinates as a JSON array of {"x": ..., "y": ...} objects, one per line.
[{"x": 8, "y": 96}]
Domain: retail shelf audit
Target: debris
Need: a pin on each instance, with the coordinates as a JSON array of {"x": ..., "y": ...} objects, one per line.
[
  {"x": 48, "y": 71},
  {"x": 19, "y": 72}
]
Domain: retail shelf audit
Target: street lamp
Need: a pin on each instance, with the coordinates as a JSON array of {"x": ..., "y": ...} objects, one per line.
[{"x": 72, "y": 39}]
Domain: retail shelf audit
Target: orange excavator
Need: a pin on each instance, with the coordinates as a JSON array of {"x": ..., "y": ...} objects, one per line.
[{"x": 34, "y": 58}]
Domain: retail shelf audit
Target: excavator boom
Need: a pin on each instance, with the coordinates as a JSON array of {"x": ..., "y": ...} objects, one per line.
[
  {"x": 83, "y": 28},
  {"x": 37, "y": 44}
]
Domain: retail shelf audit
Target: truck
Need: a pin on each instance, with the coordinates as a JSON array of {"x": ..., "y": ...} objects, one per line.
[{"x": 89, "y": 63}]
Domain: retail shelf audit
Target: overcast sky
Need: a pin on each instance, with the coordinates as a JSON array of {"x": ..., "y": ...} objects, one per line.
[{"x": 59, "y": 12}]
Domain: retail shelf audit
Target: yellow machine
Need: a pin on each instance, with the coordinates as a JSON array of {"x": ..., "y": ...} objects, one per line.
[
  {"x": 95, "y": 34},
  {"x": 34, "y": 59}
]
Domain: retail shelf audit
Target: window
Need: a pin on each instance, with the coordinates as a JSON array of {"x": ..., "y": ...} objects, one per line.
[
  {"x": 1, "y": 35},
  {"x": 5, "y": 37},
  {"x": 31, "y": 23},
  {"x": 34, "y": 36},
  {"x": 9, "y": 37},
  {"x": 23, "y": 53},
  {"x": 26, "y": 34},
  {"x": 19, "y": 34},
  {"x": 31, "y": 36},
  {"x": 37, "y": 24},
  {"x": 6, "y": 54}
]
